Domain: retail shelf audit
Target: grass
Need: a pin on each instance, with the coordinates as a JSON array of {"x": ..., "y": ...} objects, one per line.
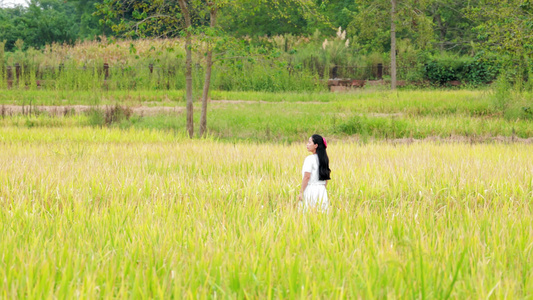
[
  {"x": 411, "y": 102},
  {"x": 364, "y": 100},
  {"x": 99, "y": 212},
  {"x": 290, "y": 117}
]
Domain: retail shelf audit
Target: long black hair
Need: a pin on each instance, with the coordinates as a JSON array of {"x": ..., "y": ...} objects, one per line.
[{"x": 323, "y": 160}]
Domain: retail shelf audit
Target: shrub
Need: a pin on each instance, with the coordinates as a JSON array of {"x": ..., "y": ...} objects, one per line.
[
  {"x": 109, "y": 115},
  {"x": 375, "y": 126},
  {"x": 473, "y": 70}
]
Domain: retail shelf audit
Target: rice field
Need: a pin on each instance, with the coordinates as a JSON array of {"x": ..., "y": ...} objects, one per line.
[{"x": 107, "y": 213}]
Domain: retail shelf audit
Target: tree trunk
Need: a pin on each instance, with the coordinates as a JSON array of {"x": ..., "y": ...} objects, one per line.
[
  {"x": 393, "y": 45},
  {"x": 2, "y": 69},
  {"x": 188, "y": 67},
  {"x": 209, "y": 63},
  {"x": 442, "y": 31},
  {"x": 524, "y": 69}
]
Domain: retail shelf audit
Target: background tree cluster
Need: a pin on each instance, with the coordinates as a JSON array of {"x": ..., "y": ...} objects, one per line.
[
  {"x": 49, "y": 21},
  {"x": 451, "y": 25},
  {"x": 436, "y": 31}
]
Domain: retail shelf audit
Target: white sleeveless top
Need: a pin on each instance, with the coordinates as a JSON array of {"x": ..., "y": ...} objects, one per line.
[{"x": 311, "y": 166}]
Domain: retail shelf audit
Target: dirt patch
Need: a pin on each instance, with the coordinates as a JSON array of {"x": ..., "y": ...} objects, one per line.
[
  {"x": 157, "y": 110},
  {"x": 8, "y": 110}
]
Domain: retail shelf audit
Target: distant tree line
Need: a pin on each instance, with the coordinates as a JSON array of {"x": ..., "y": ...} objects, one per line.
[
  {"x": 433, "y": 31},
  {"x": 452, "y": 25},
  {"x": 50, "y": 21}
]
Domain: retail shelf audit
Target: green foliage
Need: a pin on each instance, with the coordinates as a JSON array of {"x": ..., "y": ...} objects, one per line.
[
  {"x": 410, "y": 61},
  {"x": 376, "y": 126},
  {"x": 509, "y": 100},
  {"x": 472, "y": 70},
  {"x": 501, "y": 93},
  {"x": 481, "y": 70},
  {"x": 259, "y": 19},
  {"x": 264, "y": 75},
  {"x": 443, "y": 70},
  {"x": 277, "y": 45},
  {"x": 42, "y": 22},
  {"x": 505, "y": 28},
  {"x": 452, "y": 28},
  {"x": 289, "y": 117},
  {"x": 108, "y": 116},
  {"x": 2, "y": 65},
  {"x": 375, "y": 35},
  {"x": 143, "y": 19}
]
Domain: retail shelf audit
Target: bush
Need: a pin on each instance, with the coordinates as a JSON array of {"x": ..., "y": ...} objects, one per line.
[
  {"x": 376, "y": 126},
  {"x": 109, "y": 115},
  {"x": 473, "y": 70}
]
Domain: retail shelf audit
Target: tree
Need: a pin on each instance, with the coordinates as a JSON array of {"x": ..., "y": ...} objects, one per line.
[
  {"x": 451, "y": 25},
  {"x": 263, "y": 18},
  {"x": 391, "y": 18},
  {"x": 89, "y": 26},
  {"x": 339, "y": 12},
  {"x": 188, "y": 69},
  {"x": 2, "y": 67},
  {"x": 213, "y": 10},
  {"x": 47, "y": 21},
  {"x": 184, "y": 18},
  {"x": 165, "y": 19},
  {"x": 506, "y": 27},
  {"x": 393, "y": 45}
]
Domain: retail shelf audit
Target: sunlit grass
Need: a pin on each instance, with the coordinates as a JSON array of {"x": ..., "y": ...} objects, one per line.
[
  {"x": 134, "y": 213},
  {"x": 361, "y": 100},
  {"x": 291, "y": 122}
]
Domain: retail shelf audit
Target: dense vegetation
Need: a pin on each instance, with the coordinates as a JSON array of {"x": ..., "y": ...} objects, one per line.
[
  {"x": 438, "y": 40},
  {"x": 455, "y": 115}
]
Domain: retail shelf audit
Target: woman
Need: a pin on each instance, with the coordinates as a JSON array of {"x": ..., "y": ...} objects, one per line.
[{"x": 316, "y": 174}]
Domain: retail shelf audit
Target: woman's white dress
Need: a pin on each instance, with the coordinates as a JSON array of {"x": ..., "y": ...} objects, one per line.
[{"x": 315, "y": 194}]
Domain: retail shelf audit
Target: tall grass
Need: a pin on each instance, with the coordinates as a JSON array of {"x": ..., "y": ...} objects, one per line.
[
  {"x": 289, "y": 117},
  {"x": 108, "y": 213},
  {"x": 275, "y": 64}
]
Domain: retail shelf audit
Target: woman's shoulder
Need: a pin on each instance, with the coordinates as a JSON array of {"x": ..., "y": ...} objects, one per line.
[{"x": 311, "y": 157}]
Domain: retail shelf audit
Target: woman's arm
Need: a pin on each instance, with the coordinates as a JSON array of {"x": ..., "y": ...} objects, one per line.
[{"x": 305, "y": 181}]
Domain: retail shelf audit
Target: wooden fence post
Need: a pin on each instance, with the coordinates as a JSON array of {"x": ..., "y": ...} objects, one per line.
[
  {"x": 334, "y": 72},
  {"x": 9, "y": 76},
  {"x": 380, "y": 71},
  {"x": 106, "y": 71},
  {"x": 18, "y": 70}
]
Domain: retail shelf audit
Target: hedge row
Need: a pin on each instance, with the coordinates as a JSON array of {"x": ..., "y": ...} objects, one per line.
[{"x": 472, "y": 70}]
